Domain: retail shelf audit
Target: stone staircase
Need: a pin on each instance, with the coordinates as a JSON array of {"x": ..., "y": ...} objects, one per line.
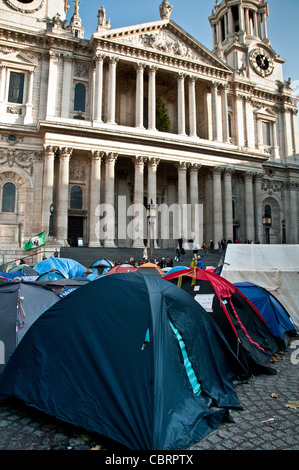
[{"x": 86, "y": 256}]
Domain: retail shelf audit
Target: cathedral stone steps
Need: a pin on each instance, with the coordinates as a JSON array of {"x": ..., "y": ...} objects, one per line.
[{"x": 86, "y": 255}]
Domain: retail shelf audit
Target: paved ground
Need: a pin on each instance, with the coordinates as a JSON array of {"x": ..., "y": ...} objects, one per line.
[{"x": 269, "y": 420}]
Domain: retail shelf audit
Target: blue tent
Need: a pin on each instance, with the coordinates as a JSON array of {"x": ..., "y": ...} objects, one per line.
[
  {"x": 69, "y": 268},
  {"x": 131, "y": 357},
  {"x": 21, "y": 303},
  {"x": 99, "y": 267},
  {"x": 276, "y": 316}
]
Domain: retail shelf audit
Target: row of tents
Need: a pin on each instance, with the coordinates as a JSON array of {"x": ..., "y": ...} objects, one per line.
[{"x": 147, "y": 358}]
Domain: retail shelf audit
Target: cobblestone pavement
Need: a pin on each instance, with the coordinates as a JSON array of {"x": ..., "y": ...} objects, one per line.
[{"x": 269, "y": 419}]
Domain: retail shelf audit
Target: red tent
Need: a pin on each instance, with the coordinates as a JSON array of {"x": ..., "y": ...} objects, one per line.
[
  {"x": 240, "y": 322},
  {"x": 122, "y": 268}
]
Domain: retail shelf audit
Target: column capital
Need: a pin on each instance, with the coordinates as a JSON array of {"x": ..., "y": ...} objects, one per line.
[
  {"x": 153, "y": 162},
  {"x": 217, "y": 170},
  {"x": 192, "y": 78},
  {"x": 139, "y": 160},
  {"x": 113, "y": 59},
  {"x": 182, "y": 75},
  {"x": 194, "y": 167},
  {"x": 99, "y": 56},
  {"x": 110, "y": 158},
  {"x": 65, "y": 152},
  {"x": 182, "y": 166},
  {"x": 228, "y": 170},
  {"x": 153, "y": 68},
  {"x": 140, "y": 66},
  {"x": 96, "y": 155},
  {"x": 49, "y": 151},
  {"x": 249, "y": 175}
]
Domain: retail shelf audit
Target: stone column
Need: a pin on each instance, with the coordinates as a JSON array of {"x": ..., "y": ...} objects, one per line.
[
  {"x": 215, "y": 114},
  {"x": 217, "y": 205},
  {"x": 240, "y": 121},
  {"x": 138, "y": 234},
  {"x": 292, "y": 227},
  {"x": 63, "y": 194},
  {"x": 2, "y": 83},
  {"x": 258, "y": 208},
  {"x": 181, "y": 104},
  {"x": 110, "y": 160},
  {"x": 182, "y": 199},
  {"x": 112, "y": 90},
  {"x": 139, "y": 95},
  {"x": 228, "y": 204},
  {"x": 152, "y": 98},
  {"x": 48, "y": 186},
  {"x": 52, "y": 83},
  {"x": 98, "y": 88},
  {"x": 224, "y": 113},
  {"x": 196, "y": 222},
  {"x": 28, "y": 118},
  {"x": 249, "y": 123},
  {"x": 192, "y": 107},
  {"x": 95, "y": 197},
  {"x": 287, "y": 131},
  {"x": 249, "y": 206},
  {"x": 67, "y": 85},
  {"x": 152, "y": 167}
]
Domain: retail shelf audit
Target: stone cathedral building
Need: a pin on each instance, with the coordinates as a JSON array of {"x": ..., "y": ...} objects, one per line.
[{"x": 80, "y": 128}]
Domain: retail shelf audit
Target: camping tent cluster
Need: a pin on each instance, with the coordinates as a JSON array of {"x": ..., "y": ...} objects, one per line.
[{"x": 145, "y": 358}]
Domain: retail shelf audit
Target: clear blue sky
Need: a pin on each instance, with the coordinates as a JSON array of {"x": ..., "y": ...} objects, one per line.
[{"x": 192, "y": 15}]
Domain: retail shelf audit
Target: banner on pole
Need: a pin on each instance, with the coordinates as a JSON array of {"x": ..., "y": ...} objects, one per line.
[{"x": 35, "y": 241}]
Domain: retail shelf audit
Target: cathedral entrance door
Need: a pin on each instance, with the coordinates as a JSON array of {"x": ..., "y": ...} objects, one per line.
[{"x": 75, "y": 229}]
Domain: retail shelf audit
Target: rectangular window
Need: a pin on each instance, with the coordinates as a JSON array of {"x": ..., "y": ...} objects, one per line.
[
  {"x": 266, "y": 133},
  {"x": 16, "y": 87}
]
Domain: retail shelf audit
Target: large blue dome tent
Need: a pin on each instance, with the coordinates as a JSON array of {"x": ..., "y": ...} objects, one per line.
[
  {"x": 131, "y": 357},
  {"x": 276, "y": 316}
]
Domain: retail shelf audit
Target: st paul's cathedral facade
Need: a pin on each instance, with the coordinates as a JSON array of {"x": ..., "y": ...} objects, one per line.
[{"x": 143, "y": 116}]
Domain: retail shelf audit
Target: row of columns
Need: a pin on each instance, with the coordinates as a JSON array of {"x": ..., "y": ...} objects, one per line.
[
  {"x": 219, "y": 118},
  {"x": 219, "y": 213},
  {"x": 222, "y": 204},
  {"x": 251, "y": 22}
]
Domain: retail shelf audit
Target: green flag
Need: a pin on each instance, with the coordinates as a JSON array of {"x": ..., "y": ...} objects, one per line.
[{"x": 35, "y": 241}]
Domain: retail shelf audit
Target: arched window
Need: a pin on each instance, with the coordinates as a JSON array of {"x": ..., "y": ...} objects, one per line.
[
  {"x": 80, "y": 96},
  {"x": 268, "y": 211},
  {"x": 76, "y": 197},
  {"x": 8, "y": 197}
]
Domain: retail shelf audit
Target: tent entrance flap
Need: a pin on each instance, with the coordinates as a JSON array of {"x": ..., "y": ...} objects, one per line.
[{"x": 188, "y": 366}]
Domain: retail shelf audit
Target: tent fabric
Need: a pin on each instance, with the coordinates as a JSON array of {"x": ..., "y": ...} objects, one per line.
[
  {"x": 20, "y": 305},
  {"x": 276, "y": 316},
  {"x": 67, "y": 267},
  {"x": 101, "y": 266},
  {"x": 274, "y": 267},
  {"x": 101, "y": 371},
  {"x": 121, "y": 268},
  {"x": 150, "y": 268},
  {"x": 241, "y": 323}
]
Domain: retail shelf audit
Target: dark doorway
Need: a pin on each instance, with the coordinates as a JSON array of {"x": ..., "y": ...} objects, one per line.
[{"x": 75, "y": 230}]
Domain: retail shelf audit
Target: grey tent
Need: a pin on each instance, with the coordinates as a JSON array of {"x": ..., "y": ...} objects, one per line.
[{"x": 21, "y": 303}]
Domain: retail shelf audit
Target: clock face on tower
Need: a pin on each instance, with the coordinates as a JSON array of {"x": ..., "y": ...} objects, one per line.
[
  {"x": 261, "y": 62},
  {"x": 25, "y": 6}
]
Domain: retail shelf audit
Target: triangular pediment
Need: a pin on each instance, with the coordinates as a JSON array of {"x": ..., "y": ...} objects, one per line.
[
  {"x": 18, "y": 59},
  {"x": 165, "y": 37}
]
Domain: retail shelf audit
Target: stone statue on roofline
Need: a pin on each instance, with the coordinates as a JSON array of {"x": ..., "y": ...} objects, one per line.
[
  {"x": 165, "y": 10},
  {"x": 102, "y": 21}
]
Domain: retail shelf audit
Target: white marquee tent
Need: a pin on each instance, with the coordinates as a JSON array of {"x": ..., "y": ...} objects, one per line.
[{"x": 274, "y": 267}]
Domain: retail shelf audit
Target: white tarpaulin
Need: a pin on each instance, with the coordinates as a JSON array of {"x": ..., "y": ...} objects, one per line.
[{"x": 274, "y": 267}]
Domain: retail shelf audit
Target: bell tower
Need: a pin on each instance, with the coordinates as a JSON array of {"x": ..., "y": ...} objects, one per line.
[
  {"x": 31, "y": 14},
  {"x": 240, "y": 38}
]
